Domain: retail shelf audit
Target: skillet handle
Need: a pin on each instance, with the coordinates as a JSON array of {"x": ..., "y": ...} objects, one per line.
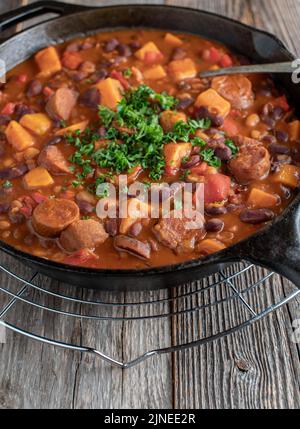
[
  {"x": 278, "y": 248},
  {"x": 21, "y": 14}
]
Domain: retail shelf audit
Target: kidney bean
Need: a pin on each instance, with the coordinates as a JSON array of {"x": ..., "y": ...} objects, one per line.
[
  {"x": 4, "y": 207},
  {"x": 184, "y": 103},
  {"x": 223, "y": 152},
  {"x": 178, "y": 54},
  {"x": 85, "y": 207},
  {"x": 135, "y": 229},
  {"x": 13, "y": 172},
  {"x": 215, "y": 210},
  {"x": 135, "y": 44},
  {"x": 192, "y": 162},
  {"x": 21, "y": 110},
  {"x": 124, "y": 50},
  {"x": 111, "y": 45},
  {"x": 270, "y": 122},
  {"x": 184, "y": 85},
  {"x": 282, "y": 136},
  {"x": 99, "y": 75},
  {"x": 34, "y": 88},
  {"x": 257, "y": 216},
  {"x": 90, "y": 98},
  {"x": 214, "y": 225},
  {"x": 201, "y": 112},
  {"x": 278, "y": 148},
  {"x": 269, "y": 139},
  {"x": 55, "y": 140},
  {"x": 277, "y": 113},
  {"x": 111, "y": 227},
  {"x": 216, "y": 120},
  {"x": 4, "y": 119}
]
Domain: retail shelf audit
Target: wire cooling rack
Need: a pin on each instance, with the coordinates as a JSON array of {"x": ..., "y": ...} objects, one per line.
[{"x": 216, "y": 297}]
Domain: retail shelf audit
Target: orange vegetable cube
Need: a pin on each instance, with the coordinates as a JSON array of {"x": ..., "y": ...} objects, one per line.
[
  {"x": 48, "y": 60},
  {"x": 18, "y": 137},
  {"x": 210, "y": 245},
  {"x": 288, "y": 175},
  {"x": 214, "y": 102},
  {"x": 173, "y": 40},
  {"x": 37, "y": 178},
  {"x": 155, "y": 73},
  {"x": 294, "y": 130},
  {"x": 174, "y": 154},
  {"x": 149, "y": 48},
  {"x": 38, "y": 123},
  {"x": 182, "y": 69},
  {"x": 111, "y": 92},
  {"x": 261, "y": 199},
  {"x": 80, "y": 126}
]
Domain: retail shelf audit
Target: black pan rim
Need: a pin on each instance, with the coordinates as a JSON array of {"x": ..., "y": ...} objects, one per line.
[{"x": 217, "y": 257}]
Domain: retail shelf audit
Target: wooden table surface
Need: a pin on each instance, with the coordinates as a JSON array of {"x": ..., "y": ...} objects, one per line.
[{"x": 255, "y": 368}]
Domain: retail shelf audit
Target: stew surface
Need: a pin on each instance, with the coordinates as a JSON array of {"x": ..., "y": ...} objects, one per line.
[{"x": 77, "y": 116}]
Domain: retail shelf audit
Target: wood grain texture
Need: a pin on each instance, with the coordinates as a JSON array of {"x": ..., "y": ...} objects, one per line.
[{"x": 256, "y": 368}]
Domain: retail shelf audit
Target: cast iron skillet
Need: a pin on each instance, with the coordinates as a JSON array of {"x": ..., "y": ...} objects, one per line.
[{"x": 276, "y": 247}]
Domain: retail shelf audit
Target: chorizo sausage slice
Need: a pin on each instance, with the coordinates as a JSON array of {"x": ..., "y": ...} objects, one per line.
[
  {"x": 53, "y": 159},
  {"x": 52, "y": 216},
  {"x": 237, "y": 89},
  {"x": 252, "y": 161},
  {"x": 83, "y": 234},
  {"x": 61, "y": 103}
]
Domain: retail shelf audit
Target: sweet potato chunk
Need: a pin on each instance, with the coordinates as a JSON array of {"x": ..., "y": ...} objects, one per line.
[
  {"x": 18, "y": 137},
  {"x": 83, "y": 234},
  {"x": 208, "y": 246},
  {"x": 214, "y": 102},
  {"x": 38, "y": 123},
  {"x": 261, "y": 199},
  {"x": 53, "y": 160},
  {"x": 110, "y": 91},
  {"x": 294, "y": 130},
  {"x": 61, "y": 103},
  {"x": 174, "y": 153},
  {"x": 52, "y": 216},
  {"x": 155, "y": 73},
  {"x": 182, "y": 69},
  {"x": 147, "y": 51},
  {"x": 169, "y": 118},
  {"x": 80, "y": 126},
  {"x": 173, "y": 40},
  {"x": 48, "y": 60},
  {"x": 37, "y": 178},
  {"x": 289, "y": 175}
]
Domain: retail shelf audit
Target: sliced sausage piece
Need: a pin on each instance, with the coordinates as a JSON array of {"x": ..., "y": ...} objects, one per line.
[
  {"x": 251, "y": 163},
  {"x": 177, "y": 234},
  {"x": 52, "y": 216},
  {"x": 61, "y": 103},
  {"x": 83, "y": 234},
  {"x": 53, "y": 160},
  {"x": 133, "y": 246},
  {"x": 236, "y": 89}
]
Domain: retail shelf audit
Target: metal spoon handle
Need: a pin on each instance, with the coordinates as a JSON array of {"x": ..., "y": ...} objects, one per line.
[{"x": 257, "y": 68}]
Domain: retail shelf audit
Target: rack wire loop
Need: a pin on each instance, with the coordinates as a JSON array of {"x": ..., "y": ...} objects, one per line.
[{"x": 209, "y": 294}]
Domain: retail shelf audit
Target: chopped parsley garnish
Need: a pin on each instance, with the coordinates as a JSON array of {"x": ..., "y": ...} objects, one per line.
[
  {"x": 7, "y": 184},
  {"x": 209, "y": 156},
  {"x": 127, "y": 73},
  {"x": 102, "y": 190},
  {"x": 232, "y": 146}
]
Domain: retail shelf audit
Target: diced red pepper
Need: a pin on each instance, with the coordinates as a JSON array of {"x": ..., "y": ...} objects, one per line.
[
  {"x": 230, "y": 127},
  {"x": 283, "y": 103},
  {"x": 214, "y": 55},
  {"x": 47, "y": 91},
  {"x": 71, "y": 60},
  {"x": 28, "y": 205},
  {"x": 119, "y": 76},
  {"x": 8, "y": 109},
  {"x": 226, "y": 61},
  {"x": 216, "y": 188},
  {"x": 38, "y": 197},
  {"x": 22, "y": 78},
  {"x": 80, "y": 257},
  {"x": 152, "y": 57}
]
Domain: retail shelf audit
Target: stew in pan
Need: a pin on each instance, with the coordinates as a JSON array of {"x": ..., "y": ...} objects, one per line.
[{"x": 84, "y": 121}]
